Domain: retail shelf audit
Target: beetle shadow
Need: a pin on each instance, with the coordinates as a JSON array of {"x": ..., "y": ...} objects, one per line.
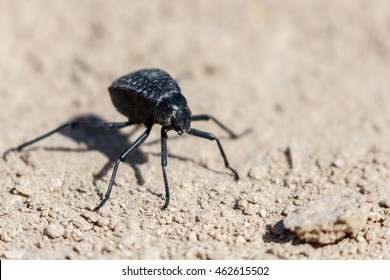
[
  {"x": 111, "y": 143},
  {"x": 189, "y": 159}
]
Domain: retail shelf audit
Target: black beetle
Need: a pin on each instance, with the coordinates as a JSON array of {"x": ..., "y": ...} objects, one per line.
[{"x": 148, "y": 96}]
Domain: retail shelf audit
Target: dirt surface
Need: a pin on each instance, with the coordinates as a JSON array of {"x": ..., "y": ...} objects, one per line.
[{"x": 309, "y": 78}]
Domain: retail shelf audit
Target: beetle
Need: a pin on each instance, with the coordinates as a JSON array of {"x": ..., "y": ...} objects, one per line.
[{"x": 147, "y": 96}]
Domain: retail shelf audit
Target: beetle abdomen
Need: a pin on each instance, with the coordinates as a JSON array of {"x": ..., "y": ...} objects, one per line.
[
  {"x": 137, "y": 94},
  {"x": 134, "y": 106}
]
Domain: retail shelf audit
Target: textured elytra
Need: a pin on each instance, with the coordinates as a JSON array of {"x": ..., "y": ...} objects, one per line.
[
  {"x": 137, "y": 95},
  {"x": 150, "y": 83}
]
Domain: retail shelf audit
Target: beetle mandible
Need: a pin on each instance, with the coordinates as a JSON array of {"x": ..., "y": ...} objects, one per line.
[{"x": 147, "y": 96}]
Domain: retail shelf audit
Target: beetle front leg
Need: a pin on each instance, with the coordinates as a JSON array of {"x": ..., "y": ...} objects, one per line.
[
  {"x": 205, "y": 117},
  {"x": 164, "y": 163},
  {"x": 210, "y": 136}
]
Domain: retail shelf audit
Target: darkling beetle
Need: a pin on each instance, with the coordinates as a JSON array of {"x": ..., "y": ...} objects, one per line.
[{"x": 148, "y": 96}]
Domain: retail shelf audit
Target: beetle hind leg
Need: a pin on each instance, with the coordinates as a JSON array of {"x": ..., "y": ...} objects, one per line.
[{"x": 72, "y": 125}]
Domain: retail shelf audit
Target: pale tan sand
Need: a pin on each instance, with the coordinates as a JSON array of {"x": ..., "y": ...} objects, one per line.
[{"x": 310, "y": 78}]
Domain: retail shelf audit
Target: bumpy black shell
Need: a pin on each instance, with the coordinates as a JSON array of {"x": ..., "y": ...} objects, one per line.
[{"x": 147, "y": 96}]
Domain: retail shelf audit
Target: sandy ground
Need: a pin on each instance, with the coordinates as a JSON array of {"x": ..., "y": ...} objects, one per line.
[{"x": 309, "y": 78}]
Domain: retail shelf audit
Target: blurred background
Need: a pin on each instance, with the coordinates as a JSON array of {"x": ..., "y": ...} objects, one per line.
[
  {"x": 304, "y": 65},
  {"x": 310, "y": 78}
]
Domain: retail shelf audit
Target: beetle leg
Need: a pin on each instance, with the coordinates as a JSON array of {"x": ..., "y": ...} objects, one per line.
[
  {"x": 217, "y": 122},
  {"x": 164, "y": 163},
  {"x": 122, "y": 158},
  {"x": 73, "y": 125},
  {"x": 211, "y": 136}
]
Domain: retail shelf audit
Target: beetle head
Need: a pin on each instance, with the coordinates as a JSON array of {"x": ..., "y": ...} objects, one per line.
[{"x": 181, "y": 120}]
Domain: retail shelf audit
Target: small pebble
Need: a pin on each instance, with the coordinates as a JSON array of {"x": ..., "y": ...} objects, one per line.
[
  {"x": 192, "y": 236},
  {"x": 204, "y": 217},
  {"x": 263, "y": 213},
  {"x": 254, "y": 198},
  {"x": 14, "y": 254},
  {"x": 339, "y": 163},
  {"x": 384, "y": 203},
  {"x": 370, "y": 236},
  {"x": 256, "y": 172},
  {"x": 56, "y": 182},
  {"x": 54, "y": 231},
  {"x": 250, "y": 211},
  {"x": 240, "y": 239}
]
